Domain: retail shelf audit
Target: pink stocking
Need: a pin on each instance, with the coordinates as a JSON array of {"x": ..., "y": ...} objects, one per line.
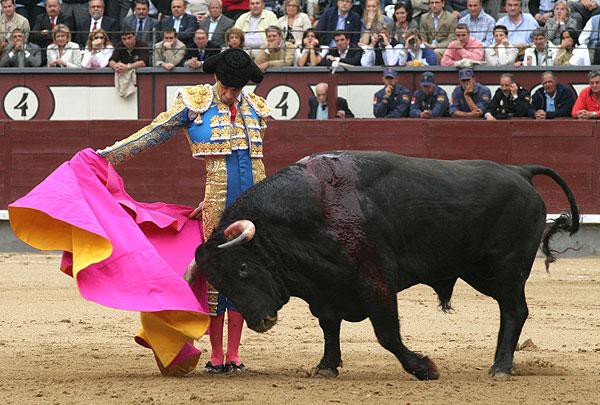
[
  {"x": 215, "y": 331},
  {"x": 235, "y": 323}
]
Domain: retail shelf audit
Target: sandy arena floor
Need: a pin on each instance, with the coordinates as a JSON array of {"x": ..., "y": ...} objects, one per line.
[{"x": 57, "y": 348}]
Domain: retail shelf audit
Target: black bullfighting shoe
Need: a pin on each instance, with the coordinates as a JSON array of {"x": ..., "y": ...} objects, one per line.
[
  {"x": 235, "y": 368},
  {"x": 209, "y": 368}
]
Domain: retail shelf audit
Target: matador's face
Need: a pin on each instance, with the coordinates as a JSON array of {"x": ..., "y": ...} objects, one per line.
[{"x": 228, "y": 95}]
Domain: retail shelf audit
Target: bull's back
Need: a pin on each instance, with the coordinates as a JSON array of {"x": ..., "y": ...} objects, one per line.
[{"x": 426, "y": 211}]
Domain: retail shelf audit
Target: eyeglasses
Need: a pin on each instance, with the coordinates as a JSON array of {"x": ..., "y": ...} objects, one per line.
[{"x": 99, "y": 37}]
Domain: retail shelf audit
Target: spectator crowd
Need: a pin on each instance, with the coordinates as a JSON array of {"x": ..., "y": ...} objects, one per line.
[
  {"x": 471, "y": 99},
  {"x": 276, "y": 33},
  {"x": 128, "y": 34}
]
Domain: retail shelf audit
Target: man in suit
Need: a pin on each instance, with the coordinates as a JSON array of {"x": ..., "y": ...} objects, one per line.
[
  {"x": 141, "y": 22},
  {"x": 44, "y": 24},
  {"x": 344, "y": 53},
  {"x": 96, "y": 20},
  {"x": 339, "y": 18},
  {"x": 437, "y": 27},
  {"x": 19, "y": 53},
  {"x": 319, "y": 109},
  {"x": 216, "y": 24},
  {"x": 184, "y": 24},
  {"x": 200, "y": 50}
]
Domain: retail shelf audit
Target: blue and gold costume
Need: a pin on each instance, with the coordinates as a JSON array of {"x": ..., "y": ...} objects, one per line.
[{"x": 233, "y": 151}]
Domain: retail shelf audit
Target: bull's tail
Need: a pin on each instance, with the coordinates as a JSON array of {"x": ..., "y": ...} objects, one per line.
[{"x": 566, "y": 221}]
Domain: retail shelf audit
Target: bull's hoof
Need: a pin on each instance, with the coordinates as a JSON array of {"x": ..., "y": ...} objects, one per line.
[
  {"x": 427, "y": 370},
  {"x": 324, "y": 372},
  {"x": 497, "y": 374}
]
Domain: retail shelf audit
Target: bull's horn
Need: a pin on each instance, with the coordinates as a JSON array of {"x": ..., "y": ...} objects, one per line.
[{"x": 242, "y": 231}]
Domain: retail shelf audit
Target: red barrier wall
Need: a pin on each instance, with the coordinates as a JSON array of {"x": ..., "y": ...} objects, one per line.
[{"x": 30, "y": 150}]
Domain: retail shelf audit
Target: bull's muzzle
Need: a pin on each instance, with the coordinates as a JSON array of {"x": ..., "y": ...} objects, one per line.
[{"x": 265, "y": 324}]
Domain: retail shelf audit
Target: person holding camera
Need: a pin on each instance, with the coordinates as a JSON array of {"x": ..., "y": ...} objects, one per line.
[
  {"x": 415, "y": 52},
  {"x": 380, "y": 50}
]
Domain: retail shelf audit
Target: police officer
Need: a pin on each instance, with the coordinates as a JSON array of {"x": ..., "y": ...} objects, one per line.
[
  {"x": 393, "y": 101},
  {"x": 510, "y": 100},
  {"x": 430, "y": 101},
  {"x": 470, "y": 99}
]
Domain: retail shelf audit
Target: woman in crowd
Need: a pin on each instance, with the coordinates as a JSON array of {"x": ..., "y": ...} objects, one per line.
[
  {"x": 311, "y": 53},
  {"x": 403, "y": 22},
  {"x": 294, "y": 23},
  {"x": 373, "y": 20},
  {"x": 234, "y": 38},
  {"x": 561, "y": 21},
  {"x": 414, "y": 52},
  {"x": 62, "y": 52},
  {"x": 570, "y": 53},
  {"x": 501, "y": 53},
  {"x": 98, "y": 50}
]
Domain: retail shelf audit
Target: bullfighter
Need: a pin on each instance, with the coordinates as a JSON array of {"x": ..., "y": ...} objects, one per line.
[{"x": 225, "y": 126}]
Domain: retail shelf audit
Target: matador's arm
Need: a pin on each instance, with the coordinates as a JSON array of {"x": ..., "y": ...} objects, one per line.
[{"x": 189, "y": 103}]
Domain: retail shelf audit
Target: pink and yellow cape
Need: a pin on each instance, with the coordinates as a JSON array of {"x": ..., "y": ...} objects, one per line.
[{"x": 122, "y": 253}]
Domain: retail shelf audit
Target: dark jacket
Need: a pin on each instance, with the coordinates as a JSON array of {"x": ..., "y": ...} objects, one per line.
[
  {"x": 187, "y": 27},
  {"x": 110, "y": 25},
  {"x": 223, "y": 25},
  {"x": 210, "y": 50},
  {"x": 328, "y": 22},
  {"x": 42, "y": 22},
  {"x": 437, "y": 103},
  {"x": 140, "y": 52},
  {"x": 505, "y": 107},
  {"x": 341, "y": 104},
  {"x": 146, "y": 33},
  {"x": 352, "y": 57},
  {"x": 33, "y": 60},
  {"x": 563, "y": 101},
  {"x": 396, "y": 106}
]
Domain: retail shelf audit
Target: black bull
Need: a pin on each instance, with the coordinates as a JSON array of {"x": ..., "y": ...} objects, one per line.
[{"x": 346, "y": 231}]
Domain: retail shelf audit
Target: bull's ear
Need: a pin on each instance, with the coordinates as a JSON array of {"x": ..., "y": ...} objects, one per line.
[{"x": 244, "y": 271}]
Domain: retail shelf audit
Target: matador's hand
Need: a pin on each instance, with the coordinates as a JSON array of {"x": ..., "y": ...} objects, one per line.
[{"x": 197, "y": 213}]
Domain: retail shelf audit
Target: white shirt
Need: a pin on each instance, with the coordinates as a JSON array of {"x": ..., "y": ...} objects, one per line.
[
  {"x": 254, "y": 39},
  {"x": 213, "y": 27},
  {"x": 177, "y": 23},
  {"x": 98, "y": 24}
]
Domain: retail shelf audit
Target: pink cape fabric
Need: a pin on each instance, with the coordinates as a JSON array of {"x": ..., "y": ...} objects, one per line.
[{"x": 153, "y": 243}]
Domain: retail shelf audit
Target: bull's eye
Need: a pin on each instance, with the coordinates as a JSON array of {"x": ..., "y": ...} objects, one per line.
[{"x": 244, "y": 272}]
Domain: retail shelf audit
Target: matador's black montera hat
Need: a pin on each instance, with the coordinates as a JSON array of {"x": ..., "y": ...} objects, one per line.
[{"x": 233, "y": 68}]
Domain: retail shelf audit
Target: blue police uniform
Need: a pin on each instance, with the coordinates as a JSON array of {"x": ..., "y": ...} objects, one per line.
[
  {"x": 481, "y": 97},
  {"x": 396, "y": 106},
  {"x": 436, "y": 102}
]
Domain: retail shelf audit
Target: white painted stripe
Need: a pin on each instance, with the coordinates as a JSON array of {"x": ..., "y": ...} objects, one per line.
[
  {"x": 585, "y": 219},
  {"x": 92, "y": 103}
]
